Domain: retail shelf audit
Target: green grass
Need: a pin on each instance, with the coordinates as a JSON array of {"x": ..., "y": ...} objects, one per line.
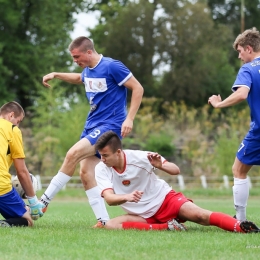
[{"x": 65, "y": 232}]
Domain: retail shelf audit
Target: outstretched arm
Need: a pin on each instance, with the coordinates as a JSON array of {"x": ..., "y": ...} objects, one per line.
[
  {"x": 136, "y": 99},
  {"x": 74, "y": 78},
  {"x": 156, "y": 160},
  {"x": 113, "y": 199}
]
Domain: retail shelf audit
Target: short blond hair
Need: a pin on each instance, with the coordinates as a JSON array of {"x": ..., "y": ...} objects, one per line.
[{"x": 249, "y": 37}]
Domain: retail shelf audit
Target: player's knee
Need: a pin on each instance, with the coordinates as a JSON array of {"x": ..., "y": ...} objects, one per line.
[
  {"x": 234, "y": 170},
  {"x": 72, "y": 155},
  {"x": 238, "y": 173},
  {"x": 202, "y": 217},
  {"x": 84, "y": 176},
  {"x": 110, "y": 224},
  {"x": 83, "y": 172}
]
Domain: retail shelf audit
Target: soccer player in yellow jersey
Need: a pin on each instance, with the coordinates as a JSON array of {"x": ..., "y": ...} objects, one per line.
[{"x": 12, "y": 207}]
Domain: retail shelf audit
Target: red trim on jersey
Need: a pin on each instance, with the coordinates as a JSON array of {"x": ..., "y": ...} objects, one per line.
[
  {"x": 105, "y": 190},
  {"x": 124, "y": 165}
]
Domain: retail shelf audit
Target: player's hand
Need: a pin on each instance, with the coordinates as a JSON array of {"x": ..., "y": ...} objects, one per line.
[
  {"x": 46, "y": 78},
  {"x": 214, "y": 100},
  {"x": 127, "y": 127},
  {"x": 135, "y": 196},
  {"x": 155, "y": 160},
  {"x": 35, "y": 207}
]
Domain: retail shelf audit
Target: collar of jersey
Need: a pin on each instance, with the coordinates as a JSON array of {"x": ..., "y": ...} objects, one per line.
[
  {"x": 124, "y": 165},
  {"x": 101, "y": 56}
]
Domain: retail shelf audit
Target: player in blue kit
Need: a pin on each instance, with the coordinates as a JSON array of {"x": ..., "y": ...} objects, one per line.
[
  {"x": 246, "y": 86},
  {"x": 106, "y": 82}
]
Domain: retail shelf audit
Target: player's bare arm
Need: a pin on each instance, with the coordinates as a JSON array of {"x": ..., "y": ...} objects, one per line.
[
  {"x": 74, "y": 78},
  {"x": 24, "y": 177},
  {"x": 113, "y": 199},
  {"x": 136, "y": 99},
  {"x": 156, "y": 160},
  {"x": 238, "y": 96}
]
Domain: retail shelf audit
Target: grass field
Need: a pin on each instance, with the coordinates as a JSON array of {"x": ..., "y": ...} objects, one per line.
[{"x": 65, "y": 232}]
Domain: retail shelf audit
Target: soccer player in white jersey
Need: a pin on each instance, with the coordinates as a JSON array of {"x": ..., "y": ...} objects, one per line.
[
  {"x": 246, "y": 86},
  {"x": 106, "y": 82},
  {"x": 127, "y": 178}
]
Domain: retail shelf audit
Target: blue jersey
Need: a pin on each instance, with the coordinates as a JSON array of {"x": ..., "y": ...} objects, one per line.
[
  {"x": 104, "y": 85},
  {"x": 249, "y": 76}
]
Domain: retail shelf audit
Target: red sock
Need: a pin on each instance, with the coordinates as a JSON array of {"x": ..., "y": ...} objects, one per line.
[
  {"x": 144, "y": 226},
  {"x": 225, "y": 222}
]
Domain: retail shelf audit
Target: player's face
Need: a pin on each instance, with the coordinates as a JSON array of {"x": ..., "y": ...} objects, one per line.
[
  {"x": 14, "y": 120},
  {"x": 109, "y": 158},
  {"x": 83, "y": 59},
  {"x": 244, "y": 53}
]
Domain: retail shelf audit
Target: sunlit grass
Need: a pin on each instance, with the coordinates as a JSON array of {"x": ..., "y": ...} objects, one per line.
[{"x": 65, "y": 232}]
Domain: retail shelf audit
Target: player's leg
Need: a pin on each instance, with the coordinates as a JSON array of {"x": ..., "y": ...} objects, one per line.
[
  {"x": 191, "y": 212},
  {"x": 76, "y": 153},
  {"x": 136, "y": 222},
  {"x": 240, "y": 188},
  {"x": 127, "y": 222},
  {"x": 247, "y": 155},
  {"x": 23, "y": 221},
  {"x": 165, "y": 217},
  {"x": 14, "y": 210},
  {"x": 87, "y": 175},
  {"x": 14, "y": 222}
]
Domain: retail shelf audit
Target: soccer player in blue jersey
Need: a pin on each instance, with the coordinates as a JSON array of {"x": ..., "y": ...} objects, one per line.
[
  {"x": 106, "y": 82},
  {"x": 246, "y": 86}
]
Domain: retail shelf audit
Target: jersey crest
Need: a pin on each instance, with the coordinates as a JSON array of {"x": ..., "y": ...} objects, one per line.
[
  {"x": 95, "y": 84},
  {"x": 126, "y": 182}
]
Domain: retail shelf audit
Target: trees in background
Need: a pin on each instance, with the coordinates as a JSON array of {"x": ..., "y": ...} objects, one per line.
[
  {"x": 178, "y": 50},
  {"x": 229, "y": 14},
  {"x": 173, "y": 47},
  {"x": 34, "y": 39},
  {"x": 181, "y": 52}
]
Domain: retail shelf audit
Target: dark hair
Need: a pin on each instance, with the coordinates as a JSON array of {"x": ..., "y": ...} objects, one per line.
[
  {"x": 83, "y": 43},
  {"x": 249, "y": 37},
  {"x": 12, "y": 107},
  {"x": 110, "y": 139}
]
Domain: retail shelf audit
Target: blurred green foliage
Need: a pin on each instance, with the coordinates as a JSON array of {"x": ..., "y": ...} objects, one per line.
[
  {"x": 200, "y": 141},
  {"x": 180, "y": 51}
]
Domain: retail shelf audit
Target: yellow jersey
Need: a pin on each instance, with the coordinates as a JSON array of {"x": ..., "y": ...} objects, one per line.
[{"x": 11, "y": 147}]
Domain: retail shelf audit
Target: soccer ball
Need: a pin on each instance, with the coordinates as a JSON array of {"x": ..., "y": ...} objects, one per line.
[{"x": 17, "y": 185}]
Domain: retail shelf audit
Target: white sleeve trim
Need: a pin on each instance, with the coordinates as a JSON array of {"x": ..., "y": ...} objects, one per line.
[
  {"x": 235, "y": 87},
  {"x": 125, "y": 79}
]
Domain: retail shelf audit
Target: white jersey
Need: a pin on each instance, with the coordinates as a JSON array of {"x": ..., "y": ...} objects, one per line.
[{"x": 137, "y": 175}]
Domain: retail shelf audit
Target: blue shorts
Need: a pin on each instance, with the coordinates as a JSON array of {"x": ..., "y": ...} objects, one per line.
[
  {"x": 12, "y": 205},
  {"x": 249, "y": 152},
  {"x": 93, "y": 134}
]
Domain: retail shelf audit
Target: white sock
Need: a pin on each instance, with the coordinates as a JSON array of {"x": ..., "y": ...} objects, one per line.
[
  {"x": 97, "y": 204},
  {"x": 240, "y": 194},
  {"x": 57, "y": 182}
]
